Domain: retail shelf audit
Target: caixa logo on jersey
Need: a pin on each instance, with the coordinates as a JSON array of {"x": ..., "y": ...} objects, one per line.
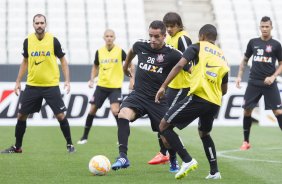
[{"x": 76, "y": 103}]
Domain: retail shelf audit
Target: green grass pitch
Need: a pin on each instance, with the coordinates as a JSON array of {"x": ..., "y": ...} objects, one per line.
[{"x": 45, "y": 160}]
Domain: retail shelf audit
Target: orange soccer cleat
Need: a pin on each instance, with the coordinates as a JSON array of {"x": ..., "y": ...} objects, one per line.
[
  {"x": 159, "y": 159},
  {"x": 245, "y": 146}
]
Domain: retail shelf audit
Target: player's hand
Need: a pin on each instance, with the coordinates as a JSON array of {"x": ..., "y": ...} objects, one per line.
[
  {"x": 160, "y": 94},
  {"x": 126, "y": 71},
  {"x": 269, "y": 80},
  {"x": 17, "y": 88},
  {"x": 238, "y": 81},
  {"x": 91, "y": 83},
  {"x": 67, "y": 87}
]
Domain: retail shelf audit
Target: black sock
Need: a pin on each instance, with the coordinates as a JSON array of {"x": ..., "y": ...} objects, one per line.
[
  {"x": 210, "y": 153},
  {"x": 65, "y": 127},
  {"x": 123, "y": 134},
  {"x": 163, "y": 149},
  {"x": 172, "y": 154},
  {"x": 279, "y": 119},
  {"x": 88, "y": 125},
  {"x": 247, "y": 123},
  {"x": 19, "y": 133},
  {"x": 174, "y": 141}
]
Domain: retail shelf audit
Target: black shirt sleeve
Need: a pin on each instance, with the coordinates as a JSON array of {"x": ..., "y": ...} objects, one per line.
[
  {"x": 191, "y": 54},
  {"x": 123, "y": 55},
  {"x": 96, "y": 60},
  {"x": 225, "y": 79},
  {"x": 25, "y": 52},
  {"x": 58, "y": 48},
  {"x": 249, "y": 50},
  {"x": 278, "y": 52},
  {"x": 183, "y": 43}
]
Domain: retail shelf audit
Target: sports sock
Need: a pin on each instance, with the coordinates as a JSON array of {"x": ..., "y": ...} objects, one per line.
[
  {"x": 19, "y": 133},
  {"x": 210, "y": 153},
  {"x": 65, "y": 128},
  {"x": 163, "y": 149},
  {"x": 247, "y": 123},
  {"x": 174, "y": 141},
  {"x": 279, "y": 119},
  {"x": 172, "y": 154},
  {"x": 123, "y": 134},
  {"x": 88, "y": 125}
]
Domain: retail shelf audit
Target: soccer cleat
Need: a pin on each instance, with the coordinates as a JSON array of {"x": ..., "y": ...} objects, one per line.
[
  {"x": 174, "y": 167},
  {"x": 215, "y": 176},
  {"x": 245, "y": 146},
  {"x": 159, "y": 159},
  {"x": 82, "y": 141},
  {"x": 121, "y": 163},
  {"x": 70, "y": 148},
  {"x": 186, "y": 168},
  {"x": 12, "y": 149}
]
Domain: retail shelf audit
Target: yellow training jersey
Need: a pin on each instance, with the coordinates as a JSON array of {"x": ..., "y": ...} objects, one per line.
[
  {"x": 110, "y": 67},
  {"x": 182, "y": 79},
  {"x": 208, "y": 73},
  {"x": 43, "y": 68}
]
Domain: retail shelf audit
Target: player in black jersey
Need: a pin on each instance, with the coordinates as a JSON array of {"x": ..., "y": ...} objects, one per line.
[
  {"x": 155, "y": 60},
  {"x": 178, "y": 88},
  {"x": 262, "y": 80}
]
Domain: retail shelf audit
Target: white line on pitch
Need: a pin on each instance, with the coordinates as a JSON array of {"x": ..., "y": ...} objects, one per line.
[{"x": 223, "y": 154}]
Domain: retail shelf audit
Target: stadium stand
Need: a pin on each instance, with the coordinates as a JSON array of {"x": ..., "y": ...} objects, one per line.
[{"x": 79, "y": 25}]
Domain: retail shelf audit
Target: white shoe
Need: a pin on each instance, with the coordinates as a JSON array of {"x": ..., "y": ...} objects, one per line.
[
  {"x": 83, "y": 141},
  {"x": 186, "y": 168},
  {"x": 215, "y": 176}
]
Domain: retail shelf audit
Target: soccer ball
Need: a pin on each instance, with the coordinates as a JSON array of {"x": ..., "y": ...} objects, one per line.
[{"x": 99, "y": 165}]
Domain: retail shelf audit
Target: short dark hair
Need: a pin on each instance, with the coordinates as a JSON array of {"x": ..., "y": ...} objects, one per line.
[
  {"x": 173, "y": 18},
  {"x": 209, "y": 31},
  {"x": 266, "y": 19},
  {"x": 39, "y": 15},
  {"x": 157, "y": 24}
]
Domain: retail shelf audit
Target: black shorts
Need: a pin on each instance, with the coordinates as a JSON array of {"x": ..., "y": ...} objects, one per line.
[
  {"x": 143, "y": 105},
  {"x": 101, "y": 93},
  {"x": 31, "y": 99},
  {"x": 175, "y": 95},
  {"x": 190, "y": 108},
  {"x": 271, "y": 95}
]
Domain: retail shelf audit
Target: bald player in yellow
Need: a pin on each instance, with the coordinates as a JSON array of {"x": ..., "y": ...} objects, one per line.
[
  {"x": 108, "y": 63},
  {"x": 40, "y": 52},
  {"x": 178, "y": 88}
]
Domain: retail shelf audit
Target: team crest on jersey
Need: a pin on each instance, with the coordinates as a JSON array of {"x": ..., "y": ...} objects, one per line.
[
  {"x": 160, "y": 58},
  {"x": 268, "y": 48}
]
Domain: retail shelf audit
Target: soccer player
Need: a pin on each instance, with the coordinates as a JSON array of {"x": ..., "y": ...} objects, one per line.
[
  {"x": 40, "y": 52},
  {"x": 262, "y": 80},
  {"x": 108, "y": 60},
  {"x": 155, "y": 60},
  {"x": 179, "y": 87},
  {"x": 209, "y": 77}
]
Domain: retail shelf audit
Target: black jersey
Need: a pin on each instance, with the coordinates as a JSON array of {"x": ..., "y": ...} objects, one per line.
[
  {"x": 153, "y": 66},
  {"x": 265, "y": 54}
]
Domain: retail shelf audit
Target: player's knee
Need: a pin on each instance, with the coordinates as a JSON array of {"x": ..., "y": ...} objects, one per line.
[
  {"x": 60, "y": 116},
  {"x": 22, "y": 117},
  {"x": 248, "y": 112},
  {"x": 163, "y": 125},
  {"x": 203, "y": 134}
]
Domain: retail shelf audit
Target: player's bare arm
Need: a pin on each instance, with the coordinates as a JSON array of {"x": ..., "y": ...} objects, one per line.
[
  {"x": 22, "y": 71},
  {"x": 242, "y": 67},
  {"x": 269, "y": 80},
  {"x": 94, "y": 73},
  {"x": 175, "y": 70},
  {"x": 127, "y": 63},
  {"x": 66, "y": 73}
]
